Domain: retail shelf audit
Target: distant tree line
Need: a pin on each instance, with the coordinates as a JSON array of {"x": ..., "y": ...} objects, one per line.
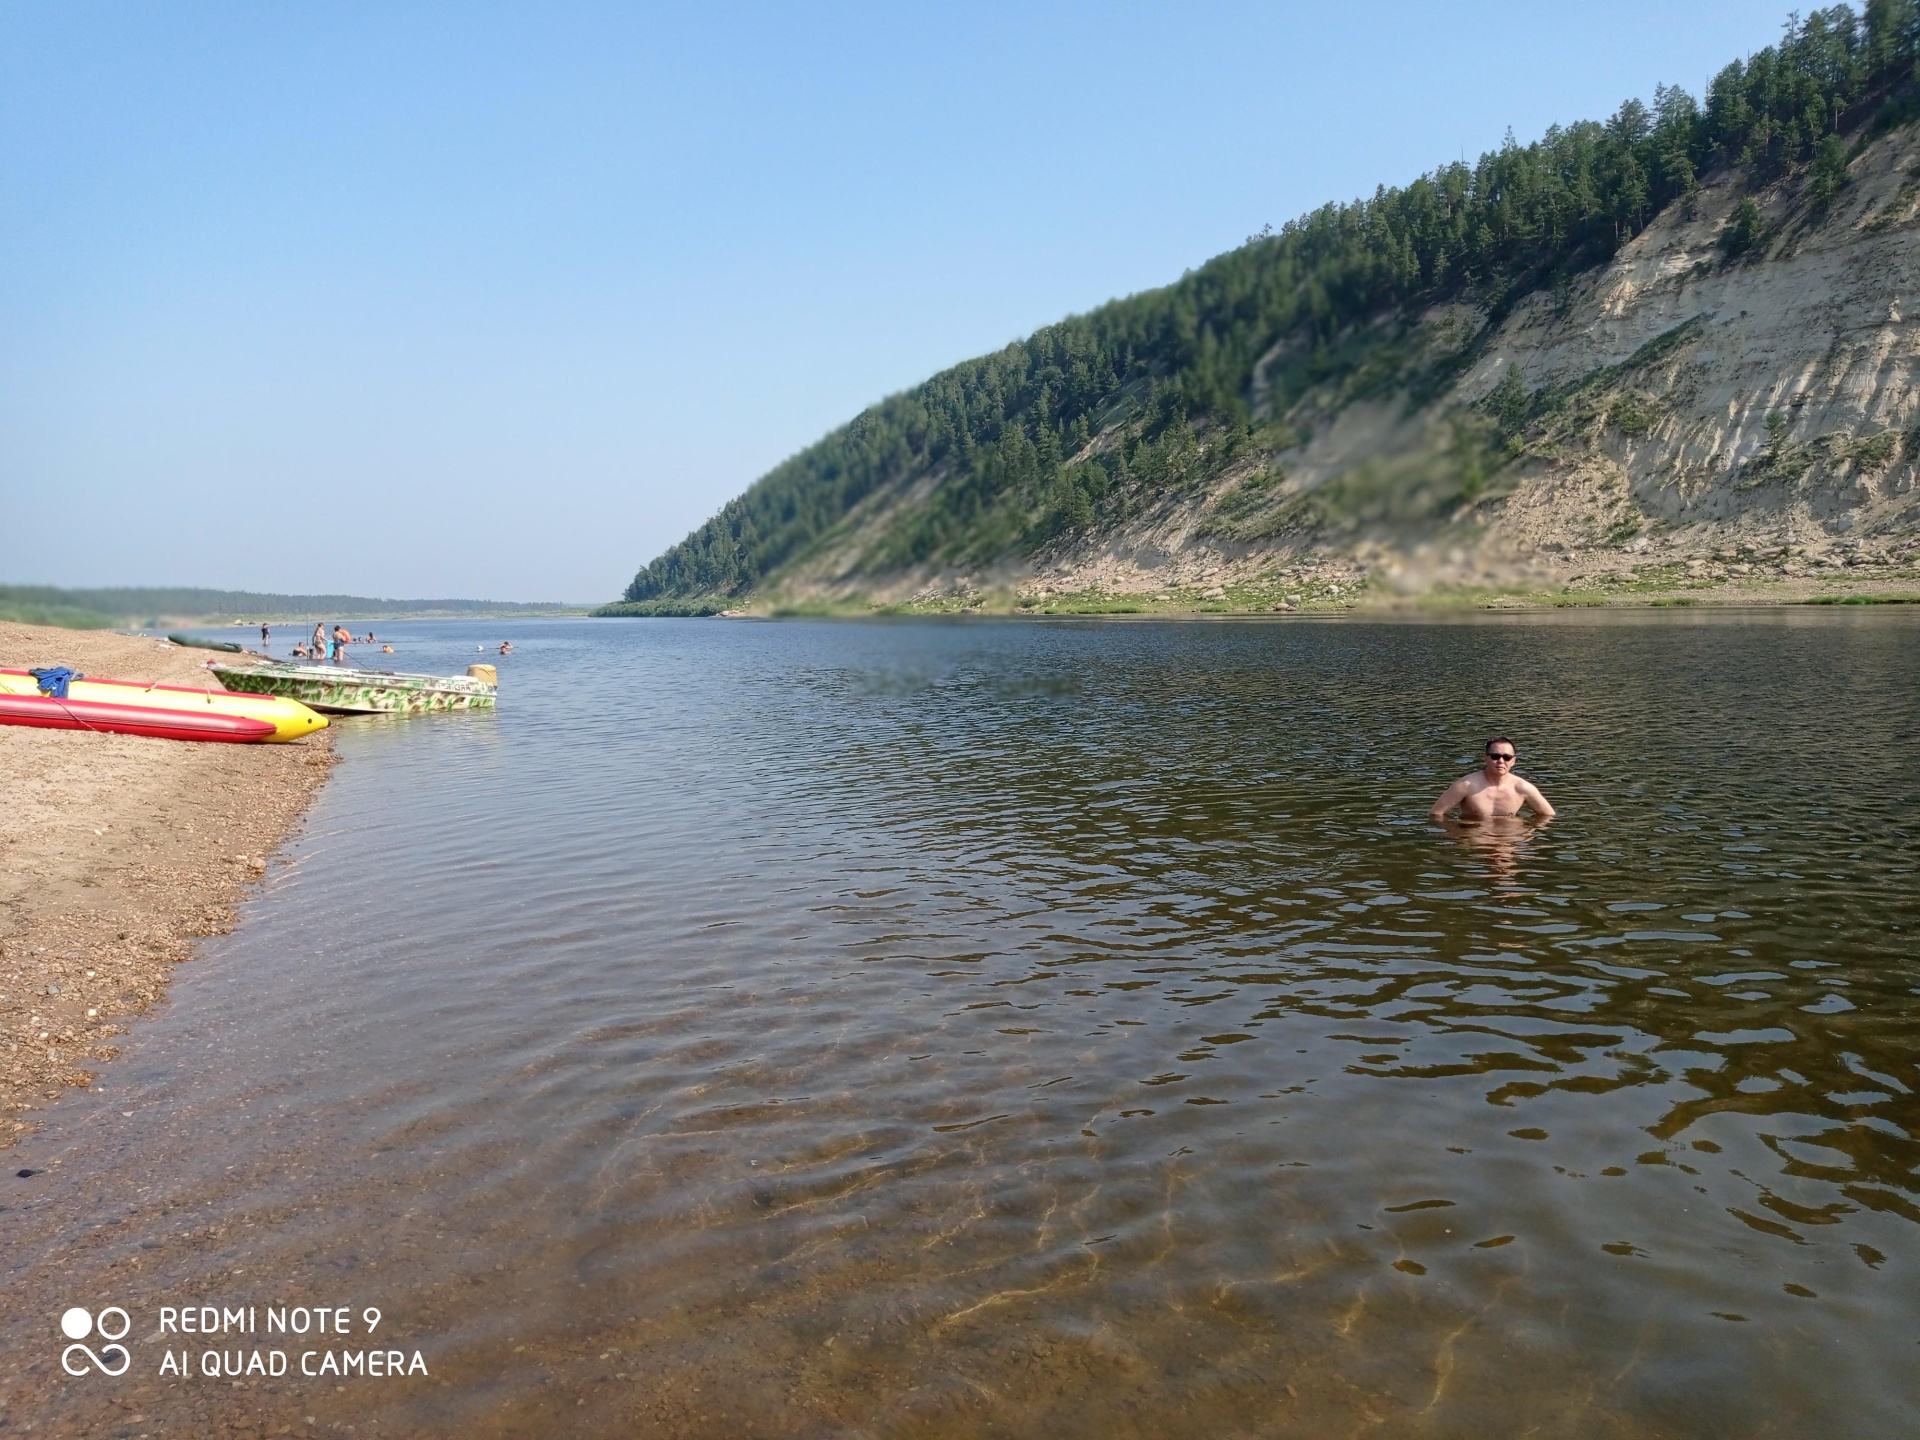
[
  {"x": 134, "y": 605},
  {"x": 1001, "y": 432}
]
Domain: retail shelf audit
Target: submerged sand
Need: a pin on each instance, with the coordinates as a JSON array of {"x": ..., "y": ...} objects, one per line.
[{"x": 116, "y": 852}]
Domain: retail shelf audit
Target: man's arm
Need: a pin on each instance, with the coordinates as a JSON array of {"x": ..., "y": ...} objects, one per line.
[
  {"x": 1456, "y": 792},
  {"x": 1536, "y": 799}
]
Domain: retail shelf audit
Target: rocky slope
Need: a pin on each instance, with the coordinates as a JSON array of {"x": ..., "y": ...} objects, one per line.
[{"x": 1674, "y": 417}]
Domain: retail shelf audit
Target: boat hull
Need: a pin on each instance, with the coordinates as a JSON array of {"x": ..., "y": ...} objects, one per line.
[
  {"x": 190, "y": 642},
  {"x": 46, "y": 713},
  {"x": 285, "y": 719},
  {"x": 360, "y": 692}
]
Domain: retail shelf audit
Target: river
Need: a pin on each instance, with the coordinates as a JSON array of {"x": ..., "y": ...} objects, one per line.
[{"x": 1047, "y": 1029}]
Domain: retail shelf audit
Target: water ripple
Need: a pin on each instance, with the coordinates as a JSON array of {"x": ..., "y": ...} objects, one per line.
[{"x": 835, "y": 1019}]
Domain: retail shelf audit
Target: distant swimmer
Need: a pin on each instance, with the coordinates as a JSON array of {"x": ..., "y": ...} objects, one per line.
[
  {"x": 506, "y": 647},
  {"x": 1493, "y": 790},
  {"x": 386, "y": 649}
]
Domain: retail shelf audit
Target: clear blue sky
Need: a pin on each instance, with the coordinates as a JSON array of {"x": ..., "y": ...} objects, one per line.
[{"x": 501, "y": 300}]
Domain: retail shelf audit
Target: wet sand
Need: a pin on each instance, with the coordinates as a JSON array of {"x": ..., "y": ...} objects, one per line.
[{"x": 116, "y": 852}]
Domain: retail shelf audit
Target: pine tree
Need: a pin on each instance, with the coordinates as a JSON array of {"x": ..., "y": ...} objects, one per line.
[
  {"x": 1743, "y": 230},
  {"x": 1829, "y": 170}
]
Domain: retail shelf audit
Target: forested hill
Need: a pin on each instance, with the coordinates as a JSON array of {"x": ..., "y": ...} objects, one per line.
[{"x": 1091, "y": 423}]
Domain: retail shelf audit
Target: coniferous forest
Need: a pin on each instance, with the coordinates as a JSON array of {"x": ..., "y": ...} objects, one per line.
[{"x": 1007, "y": 434}]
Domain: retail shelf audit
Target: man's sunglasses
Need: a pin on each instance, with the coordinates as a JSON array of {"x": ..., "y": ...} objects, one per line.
[{"x": 1497, "y": 755}]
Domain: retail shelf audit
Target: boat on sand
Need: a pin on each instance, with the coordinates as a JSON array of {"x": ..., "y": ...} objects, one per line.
[
  {"x": 352, "y": 691},
  {"x": 172, "y": 712},
  {"x": 194, "y": 643}
]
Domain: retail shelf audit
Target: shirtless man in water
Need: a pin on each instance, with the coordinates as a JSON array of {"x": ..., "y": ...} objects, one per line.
[{"x": 1494, "y": 790}]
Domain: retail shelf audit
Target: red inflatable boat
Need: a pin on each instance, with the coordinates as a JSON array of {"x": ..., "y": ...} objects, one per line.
[{"x": 50, "y": 714}]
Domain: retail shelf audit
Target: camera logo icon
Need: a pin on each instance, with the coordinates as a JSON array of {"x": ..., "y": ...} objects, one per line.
[{"x": 77, "y": 1324}]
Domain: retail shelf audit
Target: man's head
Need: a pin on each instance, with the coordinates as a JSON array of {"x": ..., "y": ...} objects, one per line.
[{"x": 1500, "y": 755}]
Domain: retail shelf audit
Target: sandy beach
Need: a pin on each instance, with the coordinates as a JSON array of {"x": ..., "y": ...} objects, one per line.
[{"x": 116, "y": 852}]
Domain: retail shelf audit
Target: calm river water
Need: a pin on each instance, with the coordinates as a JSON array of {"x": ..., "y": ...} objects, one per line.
[{"x": 1050, "y": 1029}]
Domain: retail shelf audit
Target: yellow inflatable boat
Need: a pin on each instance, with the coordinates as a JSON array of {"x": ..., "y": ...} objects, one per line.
[{"x": 119, "y": 705}]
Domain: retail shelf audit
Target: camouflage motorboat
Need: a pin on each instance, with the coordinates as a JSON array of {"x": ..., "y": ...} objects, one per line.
[{"x": 339, "y": 690}]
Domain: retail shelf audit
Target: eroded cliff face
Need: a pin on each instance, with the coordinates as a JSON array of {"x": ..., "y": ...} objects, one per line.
[
  {"x": 1675, "y": 408},
  {"x": 1775, "y": 398}
]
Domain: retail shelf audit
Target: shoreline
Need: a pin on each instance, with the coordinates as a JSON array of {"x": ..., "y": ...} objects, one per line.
[
  {"x": 1347, "y": 593},
  {"x": 1355, "y": 594},
  {"x": 117, "y": 853}
]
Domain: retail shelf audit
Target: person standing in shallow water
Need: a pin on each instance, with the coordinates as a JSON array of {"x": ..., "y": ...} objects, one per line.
[
  {"x": 317, "y": 646},
  {"x": 1493, "y": 790}
]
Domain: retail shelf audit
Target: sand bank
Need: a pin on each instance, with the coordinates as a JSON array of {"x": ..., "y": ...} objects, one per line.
[{"x": 116, "y": 851}]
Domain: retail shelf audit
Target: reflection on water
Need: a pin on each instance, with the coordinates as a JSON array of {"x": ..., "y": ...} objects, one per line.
[
  {"x": 1064, "y": 1030},
  {"x": 1501, "y": 842}
]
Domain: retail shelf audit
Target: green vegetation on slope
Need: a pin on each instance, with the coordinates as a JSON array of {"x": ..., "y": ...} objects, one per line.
[
  {"x": 1095, "y": 419},
  {"x": 96, "y": 609}
]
